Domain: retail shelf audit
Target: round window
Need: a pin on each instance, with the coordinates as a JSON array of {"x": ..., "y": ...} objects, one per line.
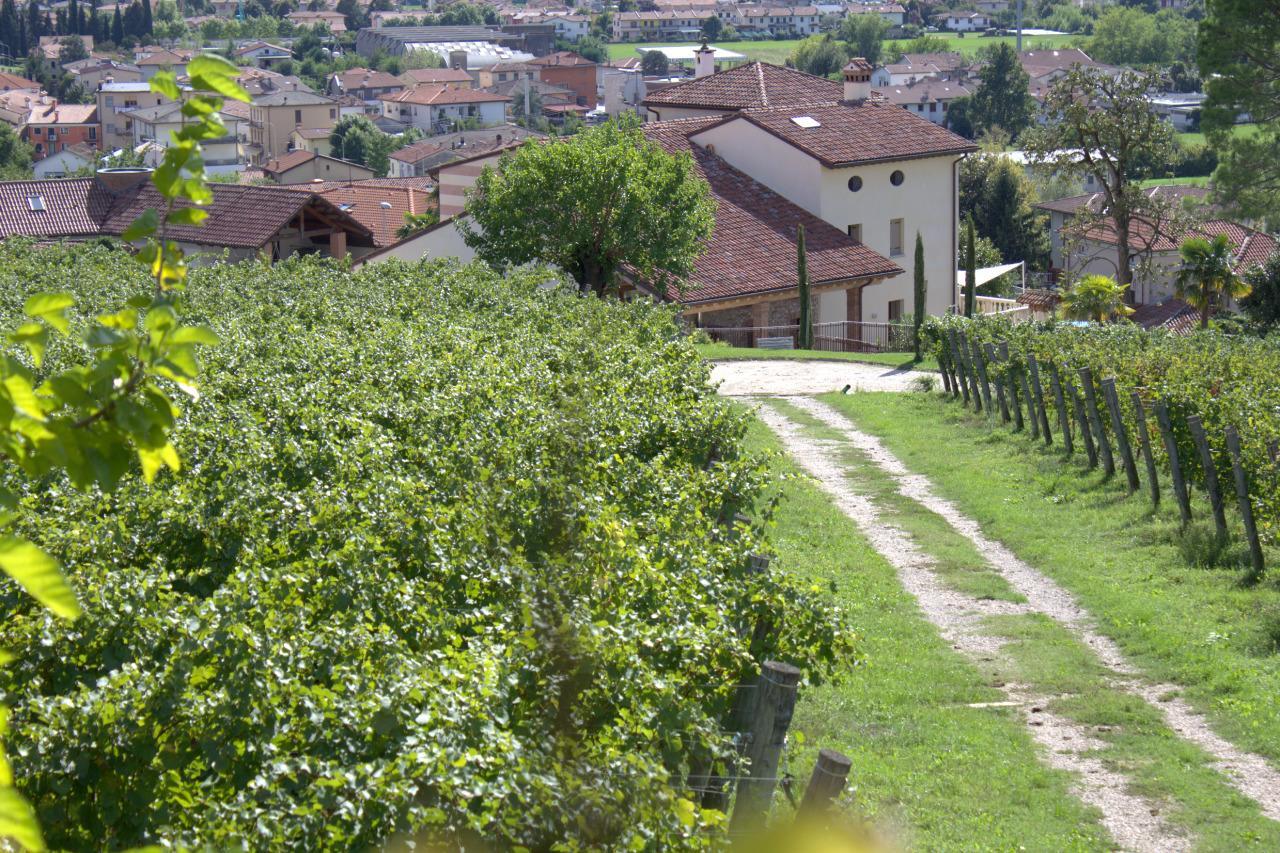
[
  {"x": 855, "y": 184},
  {"x": 896, "y": 178}
]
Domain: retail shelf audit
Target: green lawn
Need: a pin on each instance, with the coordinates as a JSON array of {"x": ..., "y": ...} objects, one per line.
[
  {"x": 778, "y": 51},
  {"x": 1201, "y": 181},
  {"x": 1179, "y": 610},
  {"x": 927, "y": 767},
  {"x": 1189, "y": 140},
  {"x": 724, "y": 352}
]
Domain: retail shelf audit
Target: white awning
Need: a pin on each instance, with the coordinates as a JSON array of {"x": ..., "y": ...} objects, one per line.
[{"x": 986, "y": 274}]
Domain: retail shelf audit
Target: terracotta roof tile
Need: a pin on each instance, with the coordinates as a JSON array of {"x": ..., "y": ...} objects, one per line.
[
  {"x": 1173, "y": 314},
  {"x": 431, "y": 94},
  {"x": 362, "y": 201},
  {"x": 434, "y": 75},
  {"x": 365, "y": 78},
  {"x": 1039, "y": 298},
  {"x": 756, "y": 84},
  {"x": 752, "y": 249},
  {"x": 285, "y": 162},
  {"x": 562, "y": 57}
]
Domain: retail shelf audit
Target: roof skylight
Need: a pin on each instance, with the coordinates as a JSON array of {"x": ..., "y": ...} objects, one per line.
[{"x": 806, "y": 122}]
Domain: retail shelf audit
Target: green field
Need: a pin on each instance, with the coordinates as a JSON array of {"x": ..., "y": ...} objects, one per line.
[
  {"x": 778, "y": 51},
  {"x": 1201, "y": 181},
  {"x": 1188, "y": 140}
]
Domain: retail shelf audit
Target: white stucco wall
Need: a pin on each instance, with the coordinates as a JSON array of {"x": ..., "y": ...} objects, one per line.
[
  {"x": 444, "y": 241},
  {"x": 783, "y": 168}
]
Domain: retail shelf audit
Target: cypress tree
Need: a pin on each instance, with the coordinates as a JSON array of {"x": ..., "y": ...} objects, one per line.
[
  {"x": 806, "y": 298},
  {"x": 9, "y": 29},
  {"x": 146, "y": 17},
  {"x": 970, "y": 269},
  {"x": 117, "y": 27},
  {"x": 73, "y": 17},
  {"x": 33, "y": 25},
  {"x": 917, "y": 319}
]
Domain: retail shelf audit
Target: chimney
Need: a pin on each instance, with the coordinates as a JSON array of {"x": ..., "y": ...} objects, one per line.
[
  {"x": 117, "y": 181},
  {"x": 704, "y": 61},
  {"x": 458, "y": 60},
  {"x": 857, "y": 79}
]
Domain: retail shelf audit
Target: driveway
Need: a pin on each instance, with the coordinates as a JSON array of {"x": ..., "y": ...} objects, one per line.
[{"x": 787, "y": 377}]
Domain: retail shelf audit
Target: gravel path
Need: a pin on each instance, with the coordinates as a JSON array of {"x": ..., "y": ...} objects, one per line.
[
  {"x": 1249, "y": 773},
  {"x": 1133, "y": 821},
  {"x": 774, "y": 378}
]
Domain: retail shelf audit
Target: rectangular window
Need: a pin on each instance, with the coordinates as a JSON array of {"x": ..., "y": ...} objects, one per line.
[
  {"x": 855, "y": 231},
  {"x": 895, "y": 237},
  {"x": 895, "y": 310},
  {"x": 333, "y": 113},
  {"x": 933, "y": 106},
  {"x": 93, "y": 133},
  {"x": 297, "y": 116}
]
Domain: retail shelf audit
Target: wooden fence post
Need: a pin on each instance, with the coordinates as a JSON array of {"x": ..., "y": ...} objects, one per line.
[
  {"x": 1060, "y": 403},
  {"x": 1095, "y": 420},
  {"x": 1144, "y": 445},
  {"x": 830, "y": 773},
  {"x": 774, "y": 705},
  {"x": 1038, "y": 388},
  {"x": 1246, "y": 506},
  {"x": 969, "y": 371},
  {"x": 1175, "y": 467},
  {"x": 1122, "y": 435},
  {"x": 1210, "y": 473},
  {"x": 959, "y": 365},
  {"x": 1012, "y": 375},
  {"x": 1082, "y": 421},
  {"x": 1032, "y": 417},
  {"x": 981, "y": 364},
  {"x": 1000, "y": 398},
  {"x": 942, "y": 368}
]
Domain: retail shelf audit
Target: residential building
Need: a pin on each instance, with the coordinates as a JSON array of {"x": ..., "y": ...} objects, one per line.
[
  {"x": 420, "y": 158},
  {"x": 504, "y": 72},
  {"x": 453, "y": 78},
  {"x": 50, "y": 126},
  {"x": 776, "y": 21},
  {"x": 913, "y": 67},
  {"x": 156, "y": 61},
  {"x": 960, "y": 21},
  {"x": 115, "y": 100},
  {"x": 72, "y": 159},
  {"x": 379, "y": 204},
  {"x": 364, "y": 83},
  {"x": 756, "y": 84},
  {"x": 158, "y": 123},
  {"x": 661, "y": 25},
  {"x": 259, "y": 81},
  {"x": 89, "y": 73},
  {"x": 243, "y": 221},
  {"x": 335, "y": 22},
  {"x": 262, "y": 54},
  {"x": 304, "y": 167},
  {"x": 570, "y": 71},
  {"x": 439, "y": 109},
  {"x": 456, "y": 177},
  {"x": 893, "y": 13},
  {"x": 315, "y": 139},
  {"x": 14, "y": 83},
  {"x": 928, "y": 98},
  {"x": 274, "y": 117},
  {"x": 1182, "y": 110},
  {"x": 50, "y": 49}
]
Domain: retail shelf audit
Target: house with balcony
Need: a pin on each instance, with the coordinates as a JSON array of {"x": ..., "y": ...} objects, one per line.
[
  {"x": 929, "y": 99},
  {"x": 439, "y": 109},
  {"x": 221, "y": 155},
  {"x": 115, "y": 101},
  {"x": 961, "y": 21},
  {"x": 273, "y": 118},
  {"x": 50, "y": 127}
]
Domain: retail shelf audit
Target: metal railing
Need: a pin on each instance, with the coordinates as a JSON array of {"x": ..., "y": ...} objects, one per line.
[{"x": 839, "y": 336}]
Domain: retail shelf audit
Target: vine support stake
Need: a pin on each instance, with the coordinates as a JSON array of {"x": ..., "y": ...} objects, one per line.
[
  {"x": 1038, "y": 389},
  {"x": 1031, "y": 406},
  {"x": 1144, "y": 445},
  {"x": 1012, "y": 375},
  {"x": 1000, "y": 398},
  {"x": 970, "y": 372},
  {"x": 830, "y": 773},
  {"x": 1175, "y": 466},
  {"x": 981, "y": 364},
  {"x": 1082, "y": 421},
  {"x": 1095, "y": 420},
  {"x": 1060, "y": 403},
  {"x": 1246, "y": 506},
  {"x": 958, "y": 363},
  {"x": 1210, "y": 473},
  {"x": 1122, "y": 435},
  {"x": 942, "y": 368},
  {"x": 775, "y": 703}
]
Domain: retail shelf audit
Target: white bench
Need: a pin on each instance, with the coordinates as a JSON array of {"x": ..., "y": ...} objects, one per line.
[{"x": 776, "y": 343}]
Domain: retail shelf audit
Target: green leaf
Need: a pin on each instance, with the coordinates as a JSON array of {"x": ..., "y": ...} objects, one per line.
[
  {"x": 165, "y": 83},
  {"x": 38, "y": 574},
  {"x": 18, "y": 820},
  {"x": 24, "y": 397},
  {"x": 143, "y": 226},
  {"x": 187, "y": 216},
  {"x": 155, "y": 458},
  {"x": 194, "y": 335},
  {"x": 215, "y": 74},
  {"x": 50, "y": 307},
  {"x": 34, "y": 337}
]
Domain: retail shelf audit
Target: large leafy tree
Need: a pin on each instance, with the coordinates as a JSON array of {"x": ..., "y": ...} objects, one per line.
[
  {"x": 1002, "y": 99},
  {"x": 1239, "y": 55},
  {"x": 996, "y": 192},
  {"x": 1101, "y": 126},
  {"x": 1208, "y": 275},
  {"x": 606, "y": 199},
  {"x": 356, "y": 139},
  {"x": 1129, "y": 36},
  {"x": 864, "y": 34},
  {"x": 820, "y": 55},
  {"x": 1262, "y": 305},
  {"x": 15, "y": 155}
]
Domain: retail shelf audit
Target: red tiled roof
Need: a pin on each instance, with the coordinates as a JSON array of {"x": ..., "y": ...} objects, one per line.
[
  {"x": 922, "y": 92},
  {"x": 756, "y": 84},
  {"x": 365, "y": 78},
  {"x": 857, "y": 132},
  {"x": 56, "y": 113},
  {"x": 428, "y": 94},
  {"x": 416, "y": 151},
  {"x": 285, "y": 162},
  {"x": 434, "y": 75},
  {"x": 752, "y": 249},
  {"x": 13, "y": 81},
  {"x": 1037, "y": 298},
  {"x": 562, "y": 57},
  {"x": 1173, "y": 314},
  {"x": 362, "y": 201}
]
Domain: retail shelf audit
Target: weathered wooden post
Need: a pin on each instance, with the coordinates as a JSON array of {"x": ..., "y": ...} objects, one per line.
[
  {"x": 1210, "y": 473},
  {"x": 1011, "y": 375},
  {"x": 970, "y": 371},
  {"x": 959, "y": 365},
  {"x": 985, "y": 381},
  {"x": 1032, "y": 417},
  {"x": 1246, "y": 506},
  {"x": 830, "y": 773},
  {"x": 1175, "y": 466},
  {"x": 1144, "y": 444},
  {"x": 1038, "y": 389},
  {"x": 1122, "y": 435},
  {"x": 1095, "y": 420},
  {"x": 1060, "y": 403},
  {"x": 1000, "y": 398},
  {"x": 1082, "y": 421},
  {"x": 942, "y": 368},
  {"x": 775, "y": 703}
]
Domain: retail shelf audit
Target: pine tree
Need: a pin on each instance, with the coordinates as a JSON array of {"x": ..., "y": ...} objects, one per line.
[
  {"x": 73, "y": 17},
  {"x": 806, "y": 298},
  {"x": 117, "y": 27},
  {"x": 146, "y": 17},
  {"x": 917, "y": 319},
  {"x": 33, "y": 26},
  {"x": 970, "y": 269}
]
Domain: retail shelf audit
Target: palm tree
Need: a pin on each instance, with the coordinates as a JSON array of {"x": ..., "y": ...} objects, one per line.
[
  {"x": 1095, "y": 297},
  {"x": 1207, "y": 275}
]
